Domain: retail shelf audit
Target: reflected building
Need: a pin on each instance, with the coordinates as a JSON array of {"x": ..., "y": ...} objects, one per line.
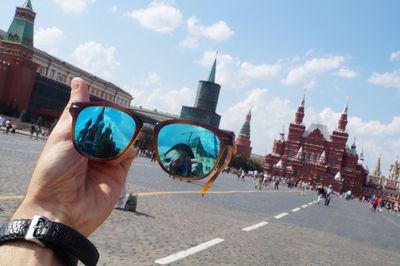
[
  {"x": 206, "y": 101},
  {"x": 205, "y": 158},
  {"x": 96, "y": 139}
]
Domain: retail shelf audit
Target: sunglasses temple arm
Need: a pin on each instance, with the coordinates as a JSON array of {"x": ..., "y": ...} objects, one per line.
[{"x": 216, "y": 174}]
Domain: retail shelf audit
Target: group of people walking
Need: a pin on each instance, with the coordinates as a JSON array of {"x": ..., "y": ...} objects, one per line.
[
  {"x": 325, "y": 194},
  {"x": 8, "y": 125},
  {"x": 378, "y": 204}
]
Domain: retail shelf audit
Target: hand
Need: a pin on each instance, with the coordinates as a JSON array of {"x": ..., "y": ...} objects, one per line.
[{"x": 68, "y": 188}]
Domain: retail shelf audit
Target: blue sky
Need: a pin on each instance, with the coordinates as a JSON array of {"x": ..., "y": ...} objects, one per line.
[{"x": 269, "y": 51}]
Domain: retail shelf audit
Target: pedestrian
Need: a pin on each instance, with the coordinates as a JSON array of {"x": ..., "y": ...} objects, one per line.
[
  {"x": 32, "y": 130},
  {"x": 37, "y": 132},
  {"x": 259, "y": 181},
  {"x": 13, "y": 128},
  {"x": 8, "y": 125},
  {"x": 328, "y": 195},
  {"x": 276, "y": 183},
  {"x": 1, "y": 121},
  {"x": 243, "y": 173},
  {"x": 320, "y": 193},
  {"x": 303, "y": 188}
]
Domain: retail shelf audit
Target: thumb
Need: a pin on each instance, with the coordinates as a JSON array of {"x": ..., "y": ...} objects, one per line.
[{"x": 79, "y": 91}]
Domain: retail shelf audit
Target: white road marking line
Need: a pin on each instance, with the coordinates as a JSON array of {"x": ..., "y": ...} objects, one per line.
[
  {"x": 314, "y": 201},
  {"x": 304, "y": 206},
  {"x": 279, "y": 216},
  {"x": 310, "y": 203},
  {"x": 190, "y": 251},
  {"x": 249, "y": 228},
  {"x": 296, "y": 209}
]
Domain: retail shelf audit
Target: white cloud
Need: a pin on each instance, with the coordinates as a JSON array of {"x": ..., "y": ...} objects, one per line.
[
  {"x": 219, "y": 31},
  {"x": 114, "y": 9},
  {"x": 232, "y": 73},
  {"x": 387, "y": 79},
  {"x": 311, "y": 68},
  {"x": 152, "y": 79},
  {"x": 159, "y": 17},
  {"x": 169, "y": 101},
  {"x": 73, "y": 6},
  {"x": 259, "y": 71},
  {"x": 48, "y": 39},
  {"x": 395, "y": 56},
  {"x": 96, "y": 59},
  {"x": 346, "y": 73}
]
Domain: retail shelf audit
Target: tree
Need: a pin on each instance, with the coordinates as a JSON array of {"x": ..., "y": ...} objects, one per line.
[{"x": 239, "y": 161}]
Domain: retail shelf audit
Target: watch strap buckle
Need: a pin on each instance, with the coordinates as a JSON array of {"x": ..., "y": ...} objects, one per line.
[{"x": 38, "y": 222}]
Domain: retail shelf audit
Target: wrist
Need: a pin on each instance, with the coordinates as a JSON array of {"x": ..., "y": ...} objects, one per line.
[
  {"x": 27, "y": 253},
  {"x": 29, "y": 209}
]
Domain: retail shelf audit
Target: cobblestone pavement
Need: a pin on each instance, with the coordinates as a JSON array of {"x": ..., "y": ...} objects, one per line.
[{"x": 242, "y": 226}]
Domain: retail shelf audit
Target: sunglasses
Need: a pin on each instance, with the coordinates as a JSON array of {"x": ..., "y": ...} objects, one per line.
[{"x": 184, "y": 149}]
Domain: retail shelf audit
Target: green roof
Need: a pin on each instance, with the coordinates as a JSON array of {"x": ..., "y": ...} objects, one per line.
[
  {"x": 28, "y": 5},
  {"x": 211, "y": 78}
]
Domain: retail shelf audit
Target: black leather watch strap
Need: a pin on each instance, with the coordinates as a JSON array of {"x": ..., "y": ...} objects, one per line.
[{"x": 59, "y": 237}]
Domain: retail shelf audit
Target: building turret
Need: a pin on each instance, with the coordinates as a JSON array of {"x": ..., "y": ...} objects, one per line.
[
  {"x": 245, "y": 131},
  {"x": 21, "y": 28},
  {"x": 242, "y": 143},
  {"x": 300, "y": 111},
  {"x": 377, "y": 170},
  {"x": 206, "y": 101},
  {"x": 343, "y": 118}
]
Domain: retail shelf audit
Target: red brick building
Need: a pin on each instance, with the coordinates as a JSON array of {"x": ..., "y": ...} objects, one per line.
[
  {"x": 242, "y": 143},
  {"x": 316, "y": 156}
]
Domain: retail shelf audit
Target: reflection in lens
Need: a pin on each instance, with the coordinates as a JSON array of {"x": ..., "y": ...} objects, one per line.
[
  {"x": 187, "y": 150},
  {"x": 103, "y": 132}
]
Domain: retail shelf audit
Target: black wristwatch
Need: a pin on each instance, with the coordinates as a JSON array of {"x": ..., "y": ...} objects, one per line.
[{"x": 67, "y": 243}]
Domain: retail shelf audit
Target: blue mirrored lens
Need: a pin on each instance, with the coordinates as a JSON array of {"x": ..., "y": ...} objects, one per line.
[
  {"x": 187, "y": 150},
  {"x": 103, "y": 132}
]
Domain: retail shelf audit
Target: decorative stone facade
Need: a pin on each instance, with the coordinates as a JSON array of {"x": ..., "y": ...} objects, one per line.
[{"x": 314, "y": 155}]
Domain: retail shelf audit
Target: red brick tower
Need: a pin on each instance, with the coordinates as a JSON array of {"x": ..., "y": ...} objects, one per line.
[
  {"x": 16, "y": 51},
  {"x": 242, "y": 143}
]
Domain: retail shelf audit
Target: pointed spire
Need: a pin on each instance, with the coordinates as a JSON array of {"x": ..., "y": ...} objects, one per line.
[
  {"x": 346, "y": 106},
  {"x": 304, "y": 98},
  {"x": 248, "y": 116},
  {"x": 245, "y": 130},
  {"x": 211, "y": 77},
  {"x": 377, "y": 171},
  {"x": 362, "y": 155},
  {"x": 300, "y": 111},
  {"x": 343, "y": 117},
  {"x": 282, "y": 133},
  {"x": 27, "y": 5}
]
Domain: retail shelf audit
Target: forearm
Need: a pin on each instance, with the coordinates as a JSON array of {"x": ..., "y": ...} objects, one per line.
[{"x": 27, "y": 253}]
